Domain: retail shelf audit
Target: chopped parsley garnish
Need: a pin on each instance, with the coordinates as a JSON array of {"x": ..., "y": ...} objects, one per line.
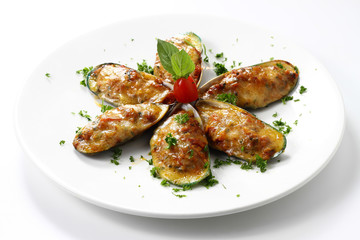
[
  {"x": 104, "y": 107},
  {"x": 206, "y": 148},
  {"x": 296, "y": 69},
  {"x": 84, "y": 72},
  {"x": 191, "y": 153},
  {"x": 275, "y": 114},
  {"x": 206, "y": 59},
  {"x": 242, "y": 148},
  {"x": 78, "y": 130},
  {"x": 237, "y": 195},
  {"x": 282, "y": 126},
  {"x": 302, "y": 89},
  {"x": 286, "y": 99},
  {"x": 219, "y": 55},
  {"x": 261, "y": 163},
  {"x": 233, "y": 65},
  {"x": 179, "y": 195},
  {"x": 246, "y": 166},
  {"x": 228, "y": 161},
  {"x": 182, "y": 118},
  {"x": 154, "y": 172},
  {"x": 144, "y": 67},
  {"x": 47, "y": 75},
  {"x": 165, "y": 183},
  {"x": 271, "y": 59},
  {"x": 150, "y": 161},
  {"x": 219, "y": 68},
  {"x": 130, "y": 167},
  {"x": 206, "y": 165},
  {"x": 185, "y": 188},
  {"x": 84, "y": 114},
  {"x": 62, "y": 142},
  {"x": 227, "y": 97},
  {"x": 296, "y": 100},
  {"x": 280, "y": 65},
  {"x": 132, "y": 159},
  {"x": 116, "y": 155},
  {"x": 296, "y": 122},
  {"x": 170, "y": 140},
  {"x": 210, "y": 181}
]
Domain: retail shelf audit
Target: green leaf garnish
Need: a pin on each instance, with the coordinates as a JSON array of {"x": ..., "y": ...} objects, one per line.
[
  {"x": 182, "y": 64},
  {"x": 227, "y": 97},
  {"x": 177, "y": 63},
  {"x": 170, "y": 140},
  {"x": 182, "y": 118}
]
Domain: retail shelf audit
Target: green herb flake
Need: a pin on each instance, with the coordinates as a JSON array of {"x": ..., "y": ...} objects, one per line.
[
  {"x": 154, "y": 172},
  {"x": 182, "y": 118},
  {"x": 84, "y": 114},
  {"x": 228, "y": 161},
  {"x": 227, "y": 97},
  {"x": 280, "y": 65},
  {"x": 78, "y": 130},
  {"x": 104, "y": 107},
  {"x": 219, "y": 68},
  {"x": 206, "y": 59},
  {"x": 286, "y": 99},
  {"x": 206, "y": 165},
  {"x": 302, "y": 89},
  {"x": 275, "y": 115},
  {"x": 296, "y": 122},
  {"x": 84, "y": 72},
  {"x": 47, "y": 75},
  {"x": 170, "y": 140},
  {"x": 261, "y": 163},
  {"x": 62, "y": 142},
  {"x": 191, "y": 153},
  {"x": 246, "y": 166},
  {"x": 165, "y": 183},
  {"x": 242, "y": 148},
  {"x": 296, "y": 100},
  {"x": 219, "y": 55},
  {"x": 179, "y": 195},
  {"x": 132, "y": 159},
  {"x": 144, "y": 67},
  {"x": 296, "y": 69},
  {"x": 116, "y": 155},
  {"x": 271, "y": 59},
  {"x": 150, "y": 161},
  {"x": 210, "y": 181},
  {"x": 206, "y": 148},
  {"x": 130, "y": 167},
  {"x": 237, "y": 195}
]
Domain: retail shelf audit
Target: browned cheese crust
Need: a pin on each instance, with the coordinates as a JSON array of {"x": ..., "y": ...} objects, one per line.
[
  {"x": 195, "y": 55},
  {"x": 119, "y": 84},
  {"x": 239, "y": 133},
  {"x": 117, "y": 126},
  {"x": 256, "y": 86},
  {"x": 185, "y": 162}
]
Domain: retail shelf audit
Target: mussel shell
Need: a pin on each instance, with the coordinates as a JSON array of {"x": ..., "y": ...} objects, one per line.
[
  {"x": 117, "y": 126},
  {"x": 192, "y": 44},
  {"x": 186, "y": 162},
  {"x": 118, "y": 84},
  {"x": 254, "y": 86},
  {"x": 238, "y": 133}
]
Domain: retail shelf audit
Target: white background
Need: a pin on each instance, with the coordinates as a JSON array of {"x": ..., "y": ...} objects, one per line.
[{"x": 33, "y": 207}]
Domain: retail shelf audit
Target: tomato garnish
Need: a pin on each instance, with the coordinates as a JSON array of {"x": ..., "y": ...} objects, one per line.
[{"x": 185, "y": 90}]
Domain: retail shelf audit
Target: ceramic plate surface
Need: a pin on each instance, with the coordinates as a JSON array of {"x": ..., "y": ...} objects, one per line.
[{"x": 47, "y": 112}]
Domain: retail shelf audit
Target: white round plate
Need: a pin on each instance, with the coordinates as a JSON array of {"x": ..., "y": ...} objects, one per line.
[{"x": 47, "y": 112}]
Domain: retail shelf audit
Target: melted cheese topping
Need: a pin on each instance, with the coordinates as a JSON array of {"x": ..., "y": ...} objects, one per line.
[
  {"x": 119, "y": 84},
  {"x": 239, "y": 133},
  {"x": 117, "y": 126},
  {"x": 185, "y": 162},
  {"x": 255, "y": 86}
]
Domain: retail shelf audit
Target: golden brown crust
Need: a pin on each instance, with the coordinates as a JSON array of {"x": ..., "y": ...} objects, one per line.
[
  {"x": 117, "y": 126},
  {"x": 119, "y": 84},
  {"x": 256, "y": 86},
  {"x": 239, "y": 133},
  {"x": 186, "y": 160}
]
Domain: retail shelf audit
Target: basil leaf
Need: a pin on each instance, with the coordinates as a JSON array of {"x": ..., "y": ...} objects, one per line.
[
  {"x": 165, "y": 51},
  {"x": 182, "y": 64}
]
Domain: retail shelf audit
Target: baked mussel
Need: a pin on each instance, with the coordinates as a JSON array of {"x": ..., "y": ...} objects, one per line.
[
  {"x": 118, "y": 84},
  {"x": 117, "y": 126},
  {"x": 238, "y": 133},
  {"x": 179, "y": 148},
  {"x": 254, "y": 86},
  {"x": 191, "y": 44}
]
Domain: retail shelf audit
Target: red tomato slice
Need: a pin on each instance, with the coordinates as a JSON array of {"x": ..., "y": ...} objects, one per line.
[{"x": 185, "y": 90}]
